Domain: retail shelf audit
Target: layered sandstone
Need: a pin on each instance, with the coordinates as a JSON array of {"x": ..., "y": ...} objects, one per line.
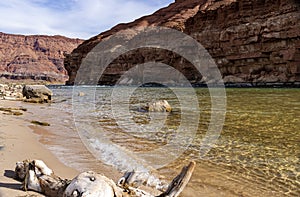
[
  {"x": 34, "y": 57},
  {"x": 252, "y": 41}
]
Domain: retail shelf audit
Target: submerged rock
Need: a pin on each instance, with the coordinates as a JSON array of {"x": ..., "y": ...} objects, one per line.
[
  {"x": 40, "y": 123},
  {"x": 12, "y": 110}
]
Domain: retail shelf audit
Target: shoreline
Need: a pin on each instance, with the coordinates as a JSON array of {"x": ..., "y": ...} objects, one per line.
[
  {"x": 20, "y": 140},
  {"x": 19, "y": 143},
  {"x": 61, "y": 138},
  {"x": 229, "y": 84}
]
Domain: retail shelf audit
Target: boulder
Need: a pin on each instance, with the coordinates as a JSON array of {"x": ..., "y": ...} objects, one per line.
[
  {"x": 158, "y": 106},
  {"x": 37, "y": 93}
]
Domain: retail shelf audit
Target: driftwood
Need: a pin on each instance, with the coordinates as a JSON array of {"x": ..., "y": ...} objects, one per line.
[
  {"x": 180, "y": 181},
  {"x": 38, "y": 177}
]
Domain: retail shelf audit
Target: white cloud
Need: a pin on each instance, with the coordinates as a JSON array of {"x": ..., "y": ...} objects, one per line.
[{"x": 72, "y": 18}]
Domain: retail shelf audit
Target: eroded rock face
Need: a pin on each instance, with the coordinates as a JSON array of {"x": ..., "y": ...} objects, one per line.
[
  {"x": 252, "y": 41},
  {"x": 173, "y": 16},
  {"x": 34, "y": 57}
]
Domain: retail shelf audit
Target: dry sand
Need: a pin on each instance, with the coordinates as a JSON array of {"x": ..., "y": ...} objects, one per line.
[{"x": 18, "y": 142}]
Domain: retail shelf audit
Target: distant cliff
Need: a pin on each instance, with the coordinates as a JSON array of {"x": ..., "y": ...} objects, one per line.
[
  {"x": 252, "y": 41},
  {"x": 34, "y": 57}
]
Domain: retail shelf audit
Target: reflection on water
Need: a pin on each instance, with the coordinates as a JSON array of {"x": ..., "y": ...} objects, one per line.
[{"x": 257, "y": 153}]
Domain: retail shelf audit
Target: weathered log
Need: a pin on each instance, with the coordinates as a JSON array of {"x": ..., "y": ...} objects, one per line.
[
  {"x": 53, "y": 185},
  {"x": 92, "y": 184},
  {"x": 38, "y": 177},
  {"x": 174, "y": 189},
  {"x": 180, "y": 181}
]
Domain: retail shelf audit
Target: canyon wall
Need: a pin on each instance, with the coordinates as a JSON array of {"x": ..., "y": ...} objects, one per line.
[
  {"x": 34, "y": 57},
  {"x": 253, "y": 42}
]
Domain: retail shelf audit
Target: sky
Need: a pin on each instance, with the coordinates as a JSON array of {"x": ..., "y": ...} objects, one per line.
[{"x": 71, "y": 18}]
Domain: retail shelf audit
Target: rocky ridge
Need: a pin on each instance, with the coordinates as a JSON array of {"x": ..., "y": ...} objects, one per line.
[
  {"x": 35, "y": 57},
  {"x": 253, "y": 42}
]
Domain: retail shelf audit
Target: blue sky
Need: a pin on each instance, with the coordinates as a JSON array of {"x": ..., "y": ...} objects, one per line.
[{"x": 71, "y": 18}]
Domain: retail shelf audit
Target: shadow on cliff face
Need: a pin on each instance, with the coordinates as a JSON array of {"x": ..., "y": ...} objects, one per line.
[
  {"x": 252, "y": 42},
  {"x": 131, "y": 59},
  {"x": 297, "y": 2}
]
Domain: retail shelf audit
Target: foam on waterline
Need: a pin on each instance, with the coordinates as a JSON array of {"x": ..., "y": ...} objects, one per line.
[{"x": 119, "y": 158}]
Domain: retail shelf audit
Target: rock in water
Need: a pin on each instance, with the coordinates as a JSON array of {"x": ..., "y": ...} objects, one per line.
[
  {"x": 158, "y": 106},
  {"x": 37, "y": 93}
]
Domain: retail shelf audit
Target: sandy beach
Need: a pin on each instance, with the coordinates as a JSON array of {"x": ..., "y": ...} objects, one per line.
[
  {"x": 18, "y": 142},
  {"x": 21, "y": 140}
]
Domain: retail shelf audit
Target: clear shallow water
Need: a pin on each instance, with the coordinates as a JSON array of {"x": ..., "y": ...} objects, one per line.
[
  {"x": 257, "y": 153},
  {"x": 260, "y": 142}
]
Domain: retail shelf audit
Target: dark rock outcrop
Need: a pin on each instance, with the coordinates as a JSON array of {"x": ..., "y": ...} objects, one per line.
[
  {"x": 252, "y": 41},
  {"x": 34, "y": 57}
]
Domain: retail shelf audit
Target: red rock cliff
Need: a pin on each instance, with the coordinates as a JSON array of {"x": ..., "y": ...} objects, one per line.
[
  {"x": 252, "y": 41},
  {"x": 34, "y": 57}
]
